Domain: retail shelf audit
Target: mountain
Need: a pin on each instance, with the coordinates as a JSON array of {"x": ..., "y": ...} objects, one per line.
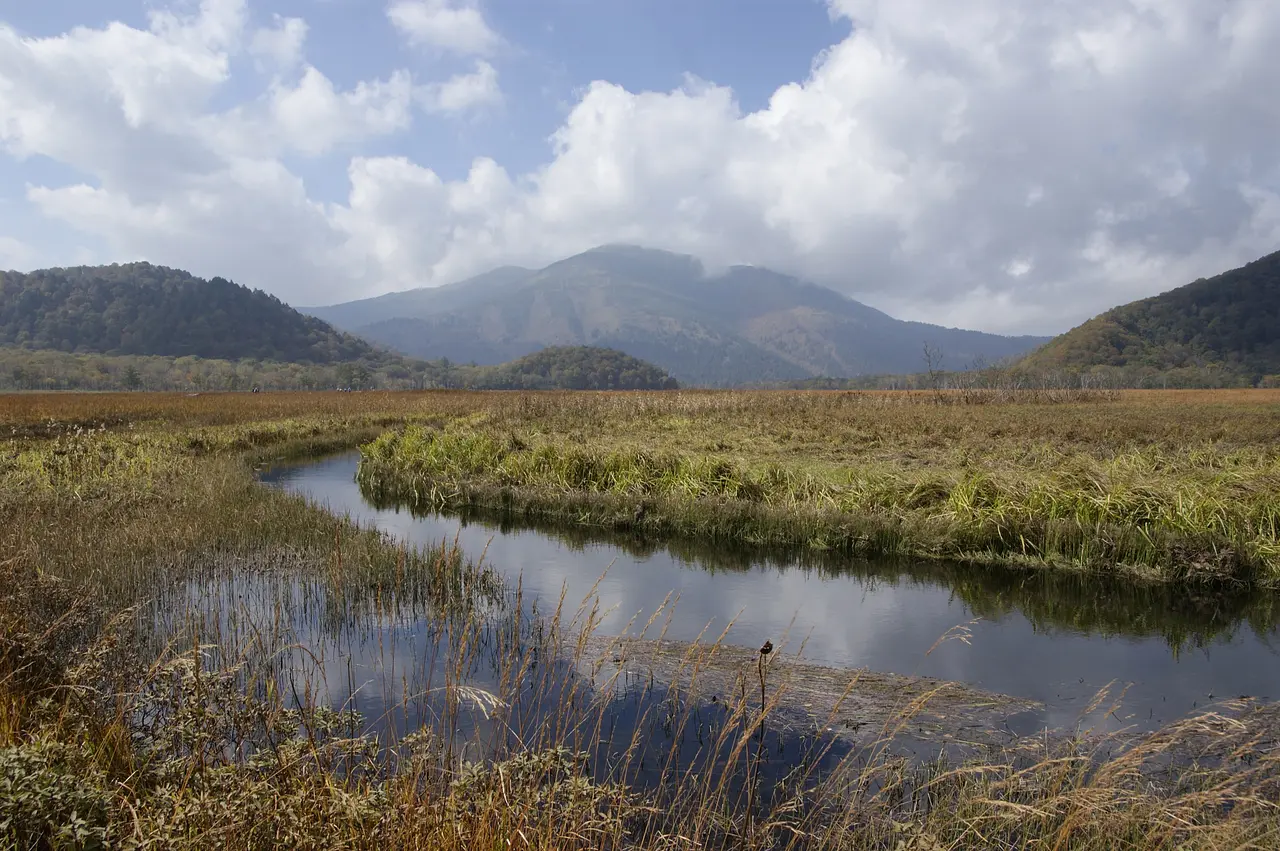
[
  {"x": 745, "y": 325},
  {"x": 1229, "y": 323},
  {"x": 141, "y": 309}
]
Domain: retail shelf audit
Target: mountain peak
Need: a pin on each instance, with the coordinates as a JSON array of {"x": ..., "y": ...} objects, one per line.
[
  {"x": 628, "y": 249},
  {"x": 743, "y": 325},
  {"x": 633, "y": 259}
]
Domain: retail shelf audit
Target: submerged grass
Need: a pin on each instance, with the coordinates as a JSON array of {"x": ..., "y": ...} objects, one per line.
[
  {"x": 172, "y": 637},
  {"x": 1142, "y": 485}
]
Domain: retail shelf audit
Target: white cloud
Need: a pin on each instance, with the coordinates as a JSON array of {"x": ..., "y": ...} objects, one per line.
[
  {"x": 216, "y": 24},
  {"x": 280, "y": 46},
  {"x": 314, "y": 117},
  {"x": 154, "y": 78},
  {"x": 431, "y": 217},
  {"x": 997, "y": 165},
  {"x": 464, "y": 92},
  {"x": 456, "y": 26},
  {"x": 15, "y": 254},
  {"x": 246, "y": 221}
]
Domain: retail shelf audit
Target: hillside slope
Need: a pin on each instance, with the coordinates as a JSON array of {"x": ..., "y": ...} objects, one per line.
[
  {"x": 141, "y": 309},
  {"x": 1230, "y": 322},
  {"x": 745, "y": 325}
]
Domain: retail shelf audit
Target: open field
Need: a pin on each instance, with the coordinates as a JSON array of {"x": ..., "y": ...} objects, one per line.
[
  {"x": 1157, "y": 485},
  {"x": 134, "y": 712}
]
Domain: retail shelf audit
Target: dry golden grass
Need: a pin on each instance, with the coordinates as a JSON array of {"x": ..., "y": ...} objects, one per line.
[
  {"x": 25, "y": 411},
  {"x": 223, "y": 408}
]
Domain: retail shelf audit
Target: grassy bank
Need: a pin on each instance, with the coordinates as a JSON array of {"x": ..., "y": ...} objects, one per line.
[
  {"x": 1161, "y": 486},
  {"x": 139, "y": 711}
]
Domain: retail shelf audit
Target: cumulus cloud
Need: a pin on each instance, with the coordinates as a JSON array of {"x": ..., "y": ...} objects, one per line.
[
  {"x": 312, "y": 116},
  {"x": 15, "y": 254},
  {"x": 280, "y": 46},
  {"x": 1001, "y": 165},
  {"x": 246, "y": 221},
  {"x": 456, "y": 26},
  {"x": 464, "y": 92}
]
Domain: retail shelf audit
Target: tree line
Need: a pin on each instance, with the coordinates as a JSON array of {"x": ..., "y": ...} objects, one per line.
[{"x": 569, "y": 368}]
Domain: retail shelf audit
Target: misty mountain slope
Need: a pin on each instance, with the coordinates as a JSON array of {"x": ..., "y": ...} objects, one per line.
[
  {"x": 743, "y": 325},
  {"x": 141, "y": 309},
  {"x": 1230, "y": 321}
]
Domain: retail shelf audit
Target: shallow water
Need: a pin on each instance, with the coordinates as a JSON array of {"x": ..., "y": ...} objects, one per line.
[{"x": 1047, "y": 637}]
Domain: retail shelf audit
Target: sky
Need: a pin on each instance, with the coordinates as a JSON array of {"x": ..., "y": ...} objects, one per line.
[{"x": 1013, "y": 166}]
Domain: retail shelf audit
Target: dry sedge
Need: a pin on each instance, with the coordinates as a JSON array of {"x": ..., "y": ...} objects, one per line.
[{"x": 168, "y": 679}]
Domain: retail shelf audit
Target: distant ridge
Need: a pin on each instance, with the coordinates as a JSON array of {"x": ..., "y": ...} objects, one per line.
[{"x": 748, "y": 325}]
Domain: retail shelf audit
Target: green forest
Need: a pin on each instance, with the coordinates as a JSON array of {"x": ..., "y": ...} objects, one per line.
[
  {"x": 568, "y": 368},
  {"x": 141, "y": 309},
  {"x": 1220, "y": 331},
  {"x": 573, "y": 368}
]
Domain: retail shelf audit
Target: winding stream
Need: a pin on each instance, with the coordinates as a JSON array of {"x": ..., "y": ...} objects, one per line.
[{"x": 1056, "y": 639}]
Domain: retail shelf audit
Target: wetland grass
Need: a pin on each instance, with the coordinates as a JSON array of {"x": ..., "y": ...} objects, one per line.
[
  {"x": 1147, "y": 486},
  {"x": 172, "y": 638}
]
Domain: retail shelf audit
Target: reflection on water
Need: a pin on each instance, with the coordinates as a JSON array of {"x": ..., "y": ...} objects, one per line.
[
  {"x": 476, "y": 679},
  {"x": 1051, "y": 637}
]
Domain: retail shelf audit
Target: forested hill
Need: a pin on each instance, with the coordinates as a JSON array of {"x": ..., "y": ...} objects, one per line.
[
  {"x": 141, "y": 309},
  {"x": 1228, "y": 323},
  {"x": 573, "y": 368}
]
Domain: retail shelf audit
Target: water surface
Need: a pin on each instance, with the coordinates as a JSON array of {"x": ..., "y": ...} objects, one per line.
[{"x": 1040, "y": 635}]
